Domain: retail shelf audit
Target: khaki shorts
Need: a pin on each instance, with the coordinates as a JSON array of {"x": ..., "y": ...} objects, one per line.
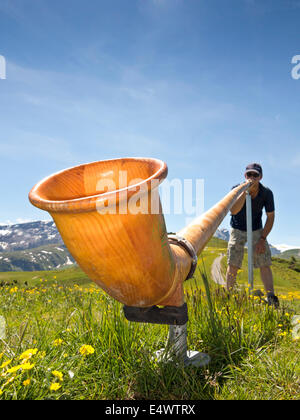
[{"x": 235, "y": 250}]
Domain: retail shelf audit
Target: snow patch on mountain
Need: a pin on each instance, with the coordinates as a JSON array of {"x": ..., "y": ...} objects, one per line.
[{"x": 21, "y": 236}]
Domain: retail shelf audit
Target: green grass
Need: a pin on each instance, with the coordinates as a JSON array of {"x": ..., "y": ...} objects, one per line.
[
  {"x": 253, "y": 354},
  {"x": 65, "y": 277}
]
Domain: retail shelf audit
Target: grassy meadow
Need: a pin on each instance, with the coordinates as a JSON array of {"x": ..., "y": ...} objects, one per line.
[{"x": 64, "y": 338}]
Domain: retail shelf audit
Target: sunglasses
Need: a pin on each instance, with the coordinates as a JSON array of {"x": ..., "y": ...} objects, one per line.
[{"x": 252, "y": 175}]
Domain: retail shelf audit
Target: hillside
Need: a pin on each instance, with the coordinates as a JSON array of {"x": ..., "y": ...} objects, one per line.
[{"x": 290, "y": 253}]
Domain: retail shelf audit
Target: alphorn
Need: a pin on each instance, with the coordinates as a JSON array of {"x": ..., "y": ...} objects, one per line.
[{"x": 127, "y": 253}]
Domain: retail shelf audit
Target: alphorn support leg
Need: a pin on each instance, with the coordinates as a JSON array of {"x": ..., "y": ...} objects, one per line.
[{"x": 176, "y": 348}]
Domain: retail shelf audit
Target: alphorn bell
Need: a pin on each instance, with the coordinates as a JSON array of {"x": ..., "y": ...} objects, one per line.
[{"x": 128, "y": 254}]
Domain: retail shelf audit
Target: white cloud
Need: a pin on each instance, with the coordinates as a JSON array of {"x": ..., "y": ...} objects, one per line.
[{"x": 284, "y": 247}]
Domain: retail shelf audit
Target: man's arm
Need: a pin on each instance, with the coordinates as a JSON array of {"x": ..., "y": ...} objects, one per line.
[
  {"x": 269, "y": 224},
  {"x": 238, "y": 205},
  {"x": 260, "y": 246}
]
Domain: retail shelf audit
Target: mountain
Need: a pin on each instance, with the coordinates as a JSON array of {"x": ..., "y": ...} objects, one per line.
[
  {"x": 222, "y": 234},
  {"x": 28, "y": 235},
  {"x": 32, "y": 246},
  {"x": 274, "y": 251},
  {"x": 47, "y": 257}
]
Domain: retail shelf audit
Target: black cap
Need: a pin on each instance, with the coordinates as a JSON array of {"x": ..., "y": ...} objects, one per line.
[{"x": 254, "y": 167}]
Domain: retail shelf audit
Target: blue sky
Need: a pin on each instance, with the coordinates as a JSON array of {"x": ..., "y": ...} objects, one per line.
[{"x": 204, "y": 85}]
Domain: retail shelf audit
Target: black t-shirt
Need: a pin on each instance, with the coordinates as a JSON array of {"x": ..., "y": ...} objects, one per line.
[{"x": 264, "y": 199}]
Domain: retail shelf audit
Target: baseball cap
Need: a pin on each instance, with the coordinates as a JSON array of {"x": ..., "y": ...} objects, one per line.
[{"x": 254, "y": 167}]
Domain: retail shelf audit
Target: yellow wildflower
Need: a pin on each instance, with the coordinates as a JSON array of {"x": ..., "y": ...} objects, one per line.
[
  {"x": 42, "y": 354},
  {"x": 26, "y": 382},
  {"x": 27, "y": 366},
  {"x": 58, "y": 374},
  {"x": 86, "y": 349},
  {"x": 54, "y": 386},
  {"x": 9, "y": 381},
  {"x": 28, "y": 353},
  {"x": 4, "y": 364},
  {"x": 14, "y": 369},
  {"x": 57, "y": 342}
]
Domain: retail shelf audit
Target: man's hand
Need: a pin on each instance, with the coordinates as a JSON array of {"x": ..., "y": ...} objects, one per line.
[{"x": 260, "y": 246}]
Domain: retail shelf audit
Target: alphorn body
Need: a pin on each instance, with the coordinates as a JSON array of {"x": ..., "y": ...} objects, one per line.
[{"x": 127, "y": 253}]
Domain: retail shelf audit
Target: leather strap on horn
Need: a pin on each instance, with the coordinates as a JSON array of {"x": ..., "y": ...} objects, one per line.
[{"x": 184, "y": 243}]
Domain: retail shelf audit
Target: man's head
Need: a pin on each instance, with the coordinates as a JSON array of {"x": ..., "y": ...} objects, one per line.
[{"x": 254, "y": 172}]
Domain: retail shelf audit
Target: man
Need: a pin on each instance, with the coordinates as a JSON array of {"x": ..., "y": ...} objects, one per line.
[{"x": 262, "y": 197}]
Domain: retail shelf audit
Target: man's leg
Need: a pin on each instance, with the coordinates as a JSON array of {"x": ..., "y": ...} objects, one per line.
[
  {"x": 235, "y": 254},
  {"x": 263, "y": 261},
  {"x": 267, "y": 279},
  {"x": 231, "y": 276}
]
